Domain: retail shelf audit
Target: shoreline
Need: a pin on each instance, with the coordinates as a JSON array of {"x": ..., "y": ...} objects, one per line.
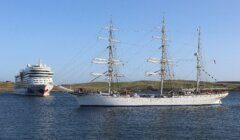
[{"x": 134, "y": 86}]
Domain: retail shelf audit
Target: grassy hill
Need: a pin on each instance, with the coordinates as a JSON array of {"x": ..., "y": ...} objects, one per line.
[
  {"x": 6, "y": 86},
  {"x": 135, "y": 86},
  {"x": 154, "y": 85}
]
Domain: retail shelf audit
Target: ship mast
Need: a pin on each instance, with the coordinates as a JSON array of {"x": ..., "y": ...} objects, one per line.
[
  {"x": 163, "y": 60},
  {"x": 198, "y": 55},
  {"x": 110, "y": 57},
  {"x": 110, "y": 61}
]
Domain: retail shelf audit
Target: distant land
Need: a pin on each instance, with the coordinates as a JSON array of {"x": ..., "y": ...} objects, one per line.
[
  {"x": 6, "y": 86},
  {"x": 136, "y": 85},
  {"x": 152, "y": 85},
  {"x": 229, "y": 82}
]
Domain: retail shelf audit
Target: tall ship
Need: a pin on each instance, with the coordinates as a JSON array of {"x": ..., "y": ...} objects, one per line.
[
  {"x": 195, "y": 96},
  {"x": 35, "y": 80}
]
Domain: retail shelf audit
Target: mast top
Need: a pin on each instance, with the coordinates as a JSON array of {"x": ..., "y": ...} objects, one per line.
[
  {"x": 199, "y": 32},
  {"x": 199, "y": 44},
  {"x": 163, "y": 24},
  {"x": 110, "y": 20},
  {"x": 110, "y": 24}
]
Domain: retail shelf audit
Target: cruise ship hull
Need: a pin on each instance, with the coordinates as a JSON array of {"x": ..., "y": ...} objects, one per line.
[
  {"x": 100, "y": 100},
  {"x": 35, "y": 90}
]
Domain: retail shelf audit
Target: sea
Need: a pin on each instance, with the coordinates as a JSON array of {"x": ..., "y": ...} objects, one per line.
[{"x": 59, "y": 117}]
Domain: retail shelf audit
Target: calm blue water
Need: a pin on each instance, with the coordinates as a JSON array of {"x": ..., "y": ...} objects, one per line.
[{"x": 60, "y": 117}]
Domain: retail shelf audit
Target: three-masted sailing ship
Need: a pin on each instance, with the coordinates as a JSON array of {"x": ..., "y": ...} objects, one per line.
[{"x": 197, "y": 96}]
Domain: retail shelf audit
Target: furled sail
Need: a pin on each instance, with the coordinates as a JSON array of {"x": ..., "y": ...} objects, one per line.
[
  {"x": 100, "y": 61},
  {"x": 154, "y": 60}
]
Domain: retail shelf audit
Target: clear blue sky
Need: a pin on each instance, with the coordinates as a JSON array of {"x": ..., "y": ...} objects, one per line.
[{"x": 63, "y": 33}]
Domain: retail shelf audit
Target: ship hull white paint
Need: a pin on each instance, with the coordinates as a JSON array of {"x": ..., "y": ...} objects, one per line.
[
  {"x": 99, "y": 100},
  {"x": 35, "y": 90}
]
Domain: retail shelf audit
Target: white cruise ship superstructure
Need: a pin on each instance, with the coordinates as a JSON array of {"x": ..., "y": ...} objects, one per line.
[{"x": 35, "y": 80}]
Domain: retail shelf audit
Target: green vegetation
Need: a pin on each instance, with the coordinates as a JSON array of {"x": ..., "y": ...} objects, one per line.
[
  {"x": 6, "y": 86},
  {"x": 153, "y": 85},
  {"x": 137, "y": 85}
]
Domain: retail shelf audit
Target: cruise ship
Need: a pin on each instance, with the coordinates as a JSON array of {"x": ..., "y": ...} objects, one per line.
[
  {"x": 35, "y": 80},
  {"x": 195, "y": 96}
]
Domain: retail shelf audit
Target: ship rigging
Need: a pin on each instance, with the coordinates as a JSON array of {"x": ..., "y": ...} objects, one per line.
[{"x": 203, "y": 97}]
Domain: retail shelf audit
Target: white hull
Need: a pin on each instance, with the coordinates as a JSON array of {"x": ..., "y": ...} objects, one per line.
[
  {"x": 100, "y": 100},
  {"x": 35, "y": 90}
]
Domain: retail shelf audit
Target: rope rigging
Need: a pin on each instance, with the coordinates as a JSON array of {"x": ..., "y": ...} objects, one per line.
[{"x": 72, "y": 66}]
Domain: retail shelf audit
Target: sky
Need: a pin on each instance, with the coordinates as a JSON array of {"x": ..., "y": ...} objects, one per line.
[{"x": 64, "y": 35}]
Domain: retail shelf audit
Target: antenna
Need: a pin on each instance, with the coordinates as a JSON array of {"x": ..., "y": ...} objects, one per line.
[{"x": 39, "y": 62}]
